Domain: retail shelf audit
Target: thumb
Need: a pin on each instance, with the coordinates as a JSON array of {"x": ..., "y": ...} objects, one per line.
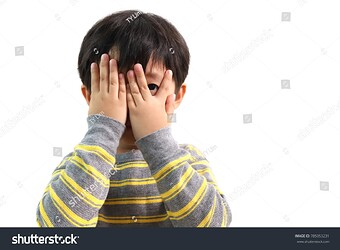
[{"x": 170, "y": 104}]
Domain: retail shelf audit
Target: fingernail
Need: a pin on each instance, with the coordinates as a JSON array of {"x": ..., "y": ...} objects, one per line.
[{"x": 170, "y": 72}]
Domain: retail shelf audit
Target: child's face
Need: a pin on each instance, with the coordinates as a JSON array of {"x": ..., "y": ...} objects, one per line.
[{"x": 154, "y": 74}]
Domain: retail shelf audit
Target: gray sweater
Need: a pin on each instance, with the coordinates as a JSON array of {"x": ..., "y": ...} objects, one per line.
[{"x": 162, "y": 184}]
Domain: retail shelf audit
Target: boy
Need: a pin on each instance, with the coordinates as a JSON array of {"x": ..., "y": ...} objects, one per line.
[{"x": 128, "y": 170}]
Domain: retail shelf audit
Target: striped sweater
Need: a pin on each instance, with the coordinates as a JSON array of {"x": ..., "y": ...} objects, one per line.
[{"x": 162, "y": 184}]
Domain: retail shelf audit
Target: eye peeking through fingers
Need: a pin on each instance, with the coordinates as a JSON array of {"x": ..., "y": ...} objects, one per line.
[{"x": 153, "y": 88}]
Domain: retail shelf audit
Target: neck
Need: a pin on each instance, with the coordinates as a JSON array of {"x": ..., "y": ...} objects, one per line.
[{"x": 127, "y": 142}]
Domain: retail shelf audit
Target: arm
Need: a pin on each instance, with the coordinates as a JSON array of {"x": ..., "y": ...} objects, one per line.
[
  {"x": 185, "y": 182},
  {"x": 80, "y": 183},
  {"x": 189, "y": 198}
]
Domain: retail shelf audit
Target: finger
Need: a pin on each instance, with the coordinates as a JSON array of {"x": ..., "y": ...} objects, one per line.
[
  {"x": 130, "y": 101},
  {"x": 114, "y": 84},
  {"x": 170, "y": 104},
  {"x": 141, "y": 81},
  {"x": 134, "y": 89},
  {"x": 165, "y": 86},
  {"x": 104, "y": 73},
  {"x": 122, "y": 87},
  {"x": 94, "y": 78}
]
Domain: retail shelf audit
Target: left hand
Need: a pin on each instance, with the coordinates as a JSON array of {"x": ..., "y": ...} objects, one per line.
[{"x": 148, "y": 113}]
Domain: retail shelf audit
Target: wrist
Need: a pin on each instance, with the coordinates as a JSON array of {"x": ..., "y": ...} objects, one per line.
[
  {"x": 158, "y": 147},
  {"x": 103, "y": 131}
]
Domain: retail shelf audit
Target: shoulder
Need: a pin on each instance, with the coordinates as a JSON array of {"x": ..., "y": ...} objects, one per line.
[{"x": 193, "y": 150}]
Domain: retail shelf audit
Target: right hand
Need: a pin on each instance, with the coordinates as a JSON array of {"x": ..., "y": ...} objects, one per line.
[{"x": 108, "y": 90}]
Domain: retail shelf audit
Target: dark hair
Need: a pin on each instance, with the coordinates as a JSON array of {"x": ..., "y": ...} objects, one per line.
[{"x": 136, "y": 37}]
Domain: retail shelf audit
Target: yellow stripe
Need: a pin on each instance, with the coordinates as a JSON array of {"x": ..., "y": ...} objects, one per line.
[
  {"x": 56, "y": 172},
  {"x": 184, "y": 179},
  {"x": 133, "y": 179},
  {"x": 91, "y": 169},
  {"x": 134, "y": 200},
  {"x": 170, "y": 171},
  {"x": 63, "y": 161},
  {"x": 46, "y": 220},
  {"x": 211, "y": 175},
  {"x": 216, "y": 187},
  {"x": 207, "y": 219},
  {"x": 39, "y": 225},
  {"x": 99, "y": 151},
  {"x": 83, "y": 169},
  {"x": 181, "y": 187},
  {"x": 129, "y": 220},
  {"x": 192, "y": 148},
  {"x": 139, "y": 164},
  {"x": 170, "y": 165},
  {"x": 133, "y": 182},
  {"x": 105, "y": 184},
  {"x": 76, "y": 189},
  {"x": 203, "y": 171},
  {"x": 129, "y": 217},
  {"x": 207, "y": 170},
  {"x": 187, "y": 209},
  {"x": 202, "y": 162},
  {"x": 65, "y": 215},
  {"x": 69, "y": 212}
]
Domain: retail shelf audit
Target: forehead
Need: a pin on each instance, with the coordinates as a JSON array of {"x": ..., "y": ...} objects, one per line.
[{"x": 155, "y": 70}]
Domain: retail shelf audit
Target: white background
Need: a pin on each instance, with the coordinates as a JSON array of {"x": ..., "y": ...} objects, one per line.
[{"x": 280, "y": 168}]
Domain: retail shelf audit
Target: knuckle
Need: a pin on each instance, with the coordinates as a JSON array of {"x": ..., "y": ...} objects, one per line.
[{"x": 144, "y": 88}]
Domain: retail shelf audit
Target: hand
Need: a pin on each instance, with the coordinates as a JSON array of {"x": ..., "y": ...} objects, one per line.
[
  {"x": 148, "y": 113},
  {"x": 108, "y": 90}
]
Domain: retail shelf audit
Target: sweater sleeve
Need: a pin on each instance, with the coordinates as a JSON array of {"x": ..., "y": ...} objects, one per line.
[
  {"x": 80, "y": 184},
  {"x": 185, "y": 182}
]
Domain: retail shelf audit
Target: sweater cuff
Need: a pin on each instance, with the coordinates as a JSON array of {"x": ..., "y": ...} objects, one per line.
[
  {"x": 103, "y": 131},
  {"x": 158, "y": 148}
]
